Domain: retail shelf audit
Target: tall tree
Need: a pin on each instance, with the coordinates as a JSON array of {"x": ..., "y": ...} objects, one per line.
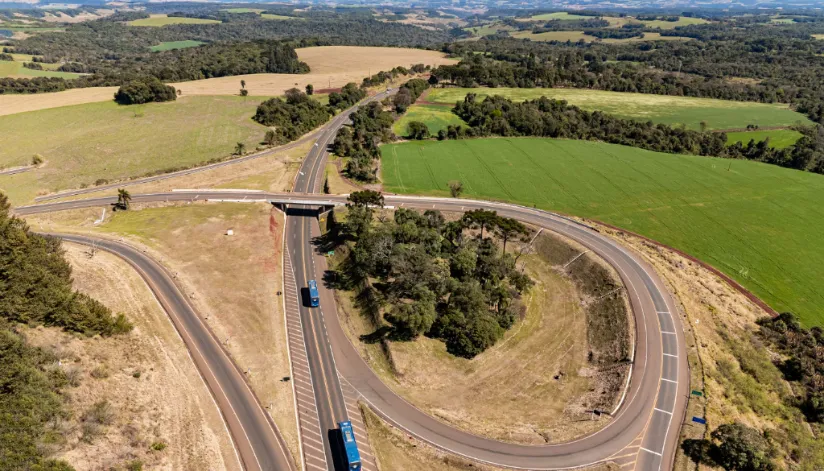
[{"x": 124, "y": 199}]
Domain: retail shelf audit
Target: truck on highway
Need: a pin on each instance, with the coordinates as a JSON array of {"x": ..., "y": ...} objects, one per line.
[
  {"x": 350, "y": 446},
  {"x": 314, "y": 298}
]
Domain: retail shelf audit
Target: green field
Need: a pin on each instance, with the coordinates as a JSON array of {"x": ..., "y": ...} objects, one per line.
[
  {"x": 269, "y": 16},
  {"x": 779, "y": 139},
  {"x": 760, "y": 224},
  {"x": 163, "y": 20},
  {"x": 576, "y": 36},
  {"x": 682, "y": 21},
  {"x": 718, "y": 114},
  {"x": 488, "y": 30},
  {"x": 558, "y": 15},
  {"x": 83, "y": 143},
  {"x": 242, "y": 10},
  {"x": 168, "y": 46},
  {"x": 436, "y": 117},
  {"x": 9, "y": 68}
]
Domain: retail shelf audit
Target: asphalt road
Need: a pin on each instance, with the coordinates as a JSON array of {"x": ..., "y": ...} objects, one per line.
[
  {"x": 646, "y": 425},
  {"x": 258, "y": 443}
]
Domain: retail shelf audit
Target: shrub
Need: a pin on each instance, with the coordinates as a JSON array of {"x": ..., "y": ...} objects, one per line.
[
  {"x": 159, "y": 445},
  {"x": 37, "y": 159},
  {"x": 144, "y": 90}
]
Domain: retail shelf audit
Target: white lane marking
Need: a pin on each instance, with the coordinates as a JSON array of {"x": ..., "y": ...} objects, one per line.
[
  {"x": 662, "y": 312},
  {"x": 668, "y": 332},
  {"x": 670, "y": 355},
  {"x": 662, "y": 410},
  {"x": 650, "y": 451},
  {"x": 669, "y": 380}
]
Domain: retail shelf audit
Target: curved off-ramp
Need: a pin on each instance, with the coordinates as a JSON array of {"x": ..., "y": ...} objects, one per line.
[
  {"x": 258, "y": 443},
  {"x": 644, "y": 430}
]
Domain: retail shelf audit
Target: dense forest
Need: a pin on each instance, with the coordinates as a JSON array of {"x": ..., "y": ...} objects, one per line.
[
  {"x": 114, "y": 53},
  {"x": 371, "y": 125},
  {"x": 449, "y": 280},
  {"x": 291, "y": 117},
  {"x": 36, "y": 289}
]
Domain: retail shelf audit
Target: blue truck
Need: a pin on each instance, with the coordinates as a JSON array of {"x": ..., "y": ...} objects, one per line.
[
  {"x": 350, "y": 446},
  {"x": 314, "y": 298}
]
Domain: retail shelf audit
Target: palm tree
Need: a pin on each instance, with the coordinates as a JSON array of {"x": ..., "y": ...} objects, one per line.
[
  {"x": 123, "y": 199},
  {"x": 240, "y": 148}
]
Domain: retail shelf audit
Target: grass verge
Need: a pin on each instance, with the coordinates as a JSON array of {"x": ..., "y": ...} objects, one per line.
[
  {"x": 231, "y": 280},
  {"x": 436, "y": 117}
]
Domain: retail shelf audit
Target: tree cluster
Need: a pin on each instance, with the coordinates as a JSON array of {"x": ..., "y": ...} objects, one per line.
[
  {"x": 555, "y": 118},
  {"x": 36, "y": 289},
  {"x": 371, "y": 125},
  {"x": 448, "y": 280},
  {"x": 545, "y": 117},
  {"x": 348, "y": 96},
  {"x": 291, "y": 117},
  {"x": 408, "y": 93},
  {"x": 733, "y": 447},
  {"x": 36, "y": 284},
  {"x": 146, "y": 90},
  {"x": 803, "y": 363},
  {"x": 383, "y": 77}
]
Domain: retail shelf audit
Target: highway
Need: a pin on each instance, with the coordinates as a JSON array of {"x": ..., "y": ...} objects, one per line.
[
  {"x": 257, "y": 441},
  {"x": 650, "y": 415},
  {"x": 644, "y": 430}
]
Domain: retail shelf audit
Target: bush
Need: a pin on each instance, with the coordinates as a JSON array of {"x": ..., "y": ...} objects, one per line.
[
  {"x": 159, "y": 445},
  {"x": 418, "y": 130},
  {"x": 144, "y": 90},
  {"x": 37, "y": 159}
]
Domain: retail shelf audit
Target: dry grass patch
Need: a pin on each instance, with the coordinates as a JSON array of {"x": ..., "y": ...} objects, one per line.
[
  {"x": 396, "y": 451},
  {"x": 331, "y": 67},
  {"x": 535, "y": 386},
  {"x": 133, "y": 390},
  {"x": 275, "y": 173},
  {"x": 231, "y": 280},
  {"x": 12, "y": 104}
]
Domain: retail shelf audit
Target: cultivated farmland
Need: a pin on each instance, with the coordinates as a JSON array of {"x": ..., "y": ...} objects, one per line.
[
  {"x": 758, "y": 223},
  {"x": 779, "y": 138},
  {"x": 84, "y": 143},
  {"x": 682, "y": 21},
  {"x": 331, "y": 67},
  {"x": 718, "y": 114},
  {"x": 170, "y": 45},
  {"x": 436, "y": 117},
  {"x": 163, "y": 20}
]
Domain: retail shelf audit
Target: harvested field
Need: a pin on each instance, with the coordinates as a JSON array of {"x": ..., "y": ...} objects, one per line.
[
  {"x": 163, "y": 20},
  {"x": 231, "y": 280},
  {"x": 153, "y": 390},
  {"x": 671, "y": 110},
  {"x": 549, "y": 396},
  {"x": 558, "y": 15},
  {"x": 727, "y": 213},
  {"x": 105, "y": 141},
  {"x": 332, "y": 67},
  {"x": 682, "y": 21}
]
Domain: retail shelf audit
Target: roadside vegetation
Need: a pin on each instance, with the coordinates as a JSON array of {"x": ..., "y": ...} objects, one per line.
[
  {"x": 672, "y": 199},
  {"x": 37, "y": 290}
]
